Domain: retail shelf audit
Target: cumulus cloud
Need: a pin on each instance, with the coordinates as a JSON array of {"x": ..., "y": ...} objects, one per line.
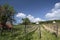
[
  {"x": 30, "y": 17},
  {"x": 55, "y": 12},
  {"x": 57, "y": 5},
  {"x": 33, "y": 19},
  {"x": 21, "y": 15}
]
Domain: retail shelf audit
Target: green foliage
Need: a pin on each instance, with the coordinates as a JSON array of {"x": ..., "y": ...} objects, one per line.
[
  {"x": 26, "y": 21},
  {"x": 6, "y": 13},
  {"x": 49, "y": 21},
  {"x": 18, "y": 34}
]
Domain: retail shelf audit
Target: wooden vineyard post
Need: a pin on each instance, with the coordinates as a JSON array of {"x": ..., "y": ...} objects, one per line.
[
  {"x": 56, "y": 28},
  {"x": 25, "y": 31},
  {"x": 39, "y": 30}
]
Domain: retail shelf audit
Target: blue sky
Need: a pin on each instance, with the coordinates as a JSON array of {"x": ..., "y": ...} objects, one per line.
[{"x": 37, "y": 9}]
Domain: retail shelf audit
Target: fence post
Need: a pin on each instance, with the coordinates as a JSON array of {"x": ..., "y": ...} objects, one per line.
[
  {"x": 40, "y": 31},
  {"x": 56, "y": 28}
]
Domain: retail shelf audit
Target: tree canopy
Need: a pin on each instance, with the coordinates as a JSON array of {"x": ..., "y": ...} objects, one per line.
[
  {"x": 6, "y": 13},
  {"x": 26, "y": 21}
]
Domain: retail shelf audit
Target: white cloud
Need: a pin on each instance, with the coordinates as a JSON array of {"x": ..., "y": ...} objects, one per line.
[
  {"x": 38, "y": 19},
  {"x": 33, "y": 19},
  {"x": 30, "y": 17},
  {"x": 57, "y": 5},
  {"x": 21, "y": 15},
  {"x": 55, "y": 12}
]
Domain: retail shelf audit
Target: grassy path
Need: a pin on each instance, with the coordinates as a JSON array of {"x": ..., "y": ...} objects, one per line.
[
  {"x": 18, "y": 34},
  {"x": 47, "y": 35}
]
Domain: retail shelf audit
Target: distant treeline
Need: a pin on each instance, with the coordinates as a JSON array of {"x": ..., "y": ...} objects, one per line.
[
  {"x": 50, "y": 21},
  {"x": 43, "y": 22}
]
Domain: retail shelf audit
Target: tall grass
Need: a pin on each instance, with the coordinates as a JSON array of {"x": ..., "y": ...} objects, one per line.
[{"x": 19, "y": 34}]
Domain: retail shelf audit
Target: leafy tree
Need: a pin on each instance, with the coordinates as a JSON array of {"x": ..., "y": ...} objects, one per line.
[
  {"x": 6, "y": 14},
  {"x": 26, "y": 21}
]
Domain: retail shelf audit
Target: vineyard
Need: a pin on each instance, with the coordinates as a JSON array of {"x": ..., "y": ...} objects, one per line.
[
  {"x": 29, "y": 19},
  {"x": 52, "y": 27},
  {"x": 30, "y": 32}
]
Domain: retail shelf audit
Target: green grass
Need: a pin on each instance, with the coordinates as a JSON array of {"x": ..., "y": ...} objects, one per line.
[
  {"x": 19, "y": 34},
  {"x": 46, "y": 35},
  {"x": 16, "y": 34}
]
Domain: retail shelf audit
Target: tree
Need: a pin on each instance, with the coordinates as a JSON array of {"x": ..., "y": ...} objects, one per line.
[
  {"x": 26, "y": 21},
  {"x": 6, "y": 14}
]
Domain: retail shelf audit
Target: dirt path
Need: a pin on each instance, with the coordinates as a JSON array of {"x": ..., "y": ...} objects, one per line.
[{"x": 49, "y": 29}]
